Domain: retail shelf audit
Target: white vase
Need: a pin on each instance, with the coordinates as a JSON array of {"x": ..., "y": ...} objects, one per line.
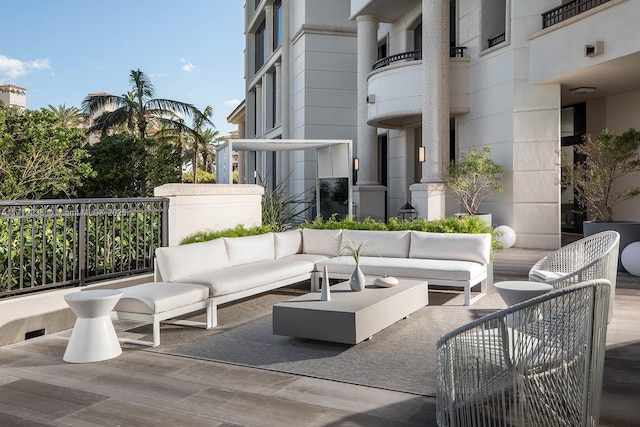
[
  {"x": 325, "y": 292},
  {"x": 357, "y": 281}
]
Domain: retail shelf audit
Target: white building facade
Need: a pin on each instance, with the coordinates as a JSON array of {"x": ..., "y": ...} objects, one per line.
[{"x": 525, "y": 78}]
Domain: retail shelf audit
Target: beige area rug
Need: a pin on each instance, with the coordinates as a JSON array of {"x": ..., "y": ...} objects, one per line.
[{"x": 402, "y": 357}]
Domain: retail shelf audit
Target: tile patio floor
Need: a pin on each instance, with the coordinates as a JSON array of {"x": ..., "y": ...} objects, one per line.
[{"x": 141, "y": 388}]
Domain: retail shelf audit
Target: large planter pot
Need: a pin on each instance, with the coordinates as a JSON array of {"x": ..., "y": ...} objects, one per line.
[{"x": 629, "y": 233}]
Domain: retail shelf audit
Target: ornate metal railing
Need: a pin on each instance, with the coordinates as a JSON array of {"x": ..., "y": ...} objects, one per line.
[
  {"x": 568, "y": 10},
  {"x": 414, "y": 55},
  {"x": 497, "y": 39},
  {"x": 47, "y": 244}
]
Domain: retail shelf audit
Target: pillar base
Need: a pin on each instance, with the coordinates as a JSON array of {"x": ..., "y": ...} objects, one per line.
[
  {"x": 429, "y": 200},
  {"x": 370, "y": 202}
]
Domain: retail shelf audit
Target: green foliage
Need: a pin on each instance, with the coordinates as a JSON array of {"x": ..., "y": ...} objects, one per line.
[
  {"x": 39, "y": 159},
  {"x": 608, "y": 159},
  {"x": 238, "y": 231},
  {"x": 474, "y": 177},
  {"x": 279, "y": 209},
  {"x": 127, "y": 166},
  {"x": 202, "y": 177}
]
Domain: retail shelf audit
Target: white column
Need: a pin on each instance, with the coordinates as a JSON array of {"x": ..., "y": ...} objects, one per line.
[
  {"x": 268, "y": 10},
  {"x": 366, "y": 147},
  {"x": 428, "y": 197},
  {"x": 278, "y": 82},
  {"x": 259, "y": 112}
]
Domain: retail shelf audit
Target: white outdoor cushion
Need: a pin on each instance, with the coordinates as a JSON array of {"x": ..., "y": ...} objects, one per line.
[
  {"x": 322, "y": 242},
  {"x": 407, "y": 267},
  {"x": 545, "y": 275},
  {"x": 393, "y": 244},
  {"x": 175, "y": 262},
  {"x": 152, "y": 298},
  {"x": 250, "y": 249},
  {"x": 243, "y": 277},
  {"x": 288, "y": 243},
  {"x": 452, "y": 246}
]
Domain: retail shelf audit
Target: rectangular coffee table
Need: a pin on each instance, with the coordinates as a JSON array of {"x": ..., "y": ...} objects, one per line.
[{"x": 350, "y": 317}]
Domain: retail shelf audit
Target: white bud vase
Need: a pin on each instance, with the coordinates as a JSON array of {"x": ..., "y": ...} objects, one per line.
[
  {"x": 325, "y": 292},
  {"x": 357, "y": 281}
]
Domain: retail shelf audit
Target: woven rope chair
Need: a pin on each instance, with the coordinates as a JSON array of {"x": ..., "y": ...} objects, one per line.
[
  {"x": 537, "y": 363},
  {"x": 594, "y": 257}
]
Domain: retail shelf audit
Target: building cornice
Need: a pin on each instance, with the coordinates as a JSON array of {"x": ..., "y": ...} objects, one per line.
[{"x": 325, "y": 30}]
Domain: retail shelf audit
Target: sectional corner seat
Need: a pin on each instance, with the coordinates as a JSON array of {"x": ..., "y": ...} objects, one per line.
[{"x": 234, "y": 268}]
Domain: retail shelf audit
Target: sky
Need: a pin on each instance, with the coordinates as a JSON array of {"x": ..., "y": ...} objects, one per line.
[{"x": 63, "y": 50}]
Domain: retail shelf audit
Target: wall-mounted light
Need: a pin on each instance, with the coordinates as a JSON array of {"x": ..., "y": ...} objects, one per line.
[
  {"x": 421, "y": 154},
  {"x": 356, "y": 164},
  {"x": 255, "y": 176}
]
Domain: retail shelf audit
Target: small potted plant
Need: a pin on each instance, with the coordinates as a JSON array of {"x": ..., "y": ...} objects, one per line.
[
  {"x": 599, "y": 181},
  {"x": 474, "y": 177},
  {"x": 357, "y": 280}
]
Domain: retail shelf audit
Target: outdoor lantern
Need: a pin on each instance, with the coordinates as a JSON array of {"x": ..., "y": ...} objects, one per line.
[
  {"x": 407, "y": 212},
  {"x": 421, "y": 155}
]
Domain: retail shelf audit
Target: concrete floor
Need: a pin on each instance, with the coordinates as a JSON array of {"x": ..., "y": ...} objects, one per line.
[{"x": 141, "y": 388}]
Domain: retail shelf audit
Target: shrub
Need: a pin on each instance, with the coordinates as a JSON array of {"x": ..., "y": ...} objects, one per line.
[{"x": 238, "y": 231}]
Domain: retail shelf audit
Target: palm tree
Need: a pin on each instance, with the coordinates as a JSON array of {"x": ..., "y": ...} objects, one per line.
[
  {"x": 136, "y": 108},
  {"x": 210, "y": 139},
  {"x": 68, "y": 117}
]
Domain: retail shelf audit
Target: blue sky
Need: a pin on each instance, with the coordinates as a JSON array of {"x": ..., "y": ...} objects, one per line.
[{"x": 62, "y": 50}]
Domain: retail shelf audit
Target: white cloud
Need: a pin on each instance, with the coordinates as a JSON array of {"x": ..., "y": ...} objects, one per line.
[
  {"x": 13, "y": 68},
  {"x": 188, "y": 66},
  {"x": 232, "y": 102}
]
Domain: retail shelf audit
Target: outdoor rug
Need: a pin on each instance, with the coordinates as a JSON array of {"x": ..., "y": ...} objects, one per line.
[{"x": 402, "y": 357}]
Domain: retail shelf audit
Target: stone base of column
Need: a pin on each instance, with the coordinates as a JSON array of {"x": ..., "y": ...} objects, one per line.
[
  {"x": 370, "y": 202},
  {"x": 429, "y": 200}
]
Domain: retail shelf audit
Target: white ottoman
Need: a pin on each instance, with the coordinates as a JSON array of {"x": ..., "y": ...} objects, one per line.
[
  {"x": 159, "y": 301},
  {"x": 93, "y": 338}
]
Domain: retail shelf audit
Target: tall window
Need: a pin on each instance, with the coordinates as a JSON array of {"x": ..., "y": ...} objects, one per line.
[
  {"x": 494, "y": 22},
  {"x": 260, "y": 46},
  {"x": 277, "y": 24},
  {"x": 417, "y": 37}
]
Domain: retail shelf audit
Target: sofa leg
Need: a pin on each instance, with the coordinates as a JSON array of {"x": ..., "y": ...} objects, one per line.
[{"x": 212, "y": 315}]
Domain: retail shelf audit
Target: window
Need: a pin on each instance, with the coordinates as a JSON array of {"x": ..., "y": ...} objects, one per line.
[
  {"x": 494, "y": 23},
  {"x": 382, "y": 49},
  {"x": 277, "y": 24},
  {"x": 260, "y": 46},
  {"x": 417, "y": 36}
]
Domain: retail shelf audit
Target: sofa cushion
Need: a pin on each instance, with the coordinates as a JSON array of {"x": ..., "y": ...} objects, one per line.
[
  {"x": 243, "y": 277},
  {"x": 406, "y": 267},
  {"x": 175, "y": 262},
  {"x": 322, "y": 242},
  {"x": 393, "y": 244},
  {"x": 151, "y": 298},
  {"x": 250, "y": 249},
  {"x": 288, "y": 243},
  {"x": 452, "y": 246}
]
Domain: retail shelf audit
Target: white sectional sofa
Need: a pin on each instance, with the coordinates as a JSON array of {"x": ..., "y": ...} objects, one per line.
[{"x": 235, "y": 268}]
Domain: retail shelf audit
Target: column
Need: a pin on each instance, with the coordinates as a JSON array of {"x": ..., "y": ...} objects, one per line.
[
  {"x": 366, "y": 147},
  {"x": 259, "y": 112},
  {"x": 428, "y": 197},
  {"x": 278, "y": 93}
]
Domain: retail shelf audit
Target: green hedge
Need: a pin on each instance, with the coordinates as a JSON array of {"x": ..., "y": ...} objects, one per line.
[{"x": 468, "y": 224}]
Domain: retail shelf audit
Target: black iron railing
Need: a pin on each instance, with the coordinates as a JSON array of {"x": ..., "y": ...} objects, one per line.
[
  {"x": 568, "y": 10},
  {"x": 497, "y": 39},
  {"x": 61, "y": 243},
  {"x": 414, "y": 55}
]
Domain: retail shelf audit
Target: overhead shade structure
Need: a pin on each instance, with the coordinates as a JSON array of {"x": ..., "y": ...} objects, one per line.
[{"x": 333, "y": 163}]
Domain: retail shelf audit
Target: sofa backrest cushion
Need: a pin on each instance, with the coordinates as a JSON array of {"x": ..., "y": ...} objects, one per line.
[
  {"x": 390, "y": 244},
  {"x": 321, "y": 242},
  {"x": 454, "y": 246},
  {"x": 177, "y": 262},
  {"x": 288, "y": 243},
  {"x": 248, "y": 249}
]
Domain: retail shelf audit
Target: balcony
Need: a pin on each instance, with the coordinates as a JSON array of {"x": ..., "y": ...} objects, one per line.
[
  {"x": 596, "y": 48},
  {"x": 395, "y": 89},
  {"x": 568, "y": 10}
]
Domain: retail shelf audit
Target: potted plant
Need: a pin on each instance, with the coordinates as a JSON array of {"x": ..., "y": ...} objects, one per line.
[
  {"x": 357, "y": 279},
  {"x": 609, "y": 158},
  {"x": 474, "y": 177}
]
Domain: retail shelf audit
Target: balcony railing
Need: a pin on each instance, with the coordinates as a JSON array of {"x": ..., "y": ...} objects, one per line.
[
  {"x": 568, "y": 10},
  {"x": 414, "y": 55},
  {"x": 496, "y": 40},
  {"x": 47, "y": 244}
]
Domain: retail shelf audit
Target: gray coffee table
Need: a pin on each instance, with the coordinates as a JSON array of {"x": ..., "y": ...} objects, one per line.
[{"x": 350, "y": 317}]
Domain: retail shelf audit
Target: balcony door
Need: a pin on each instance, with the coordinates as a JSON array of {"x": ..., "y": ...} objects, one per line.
[{"x": 573, "y": 127}]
